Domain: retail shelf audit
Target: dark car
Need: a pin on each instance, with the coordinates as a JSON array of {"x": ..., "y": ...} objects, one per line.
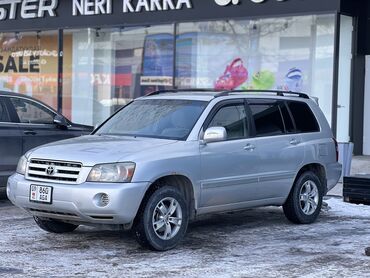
[{"x": 26, "y": 123}]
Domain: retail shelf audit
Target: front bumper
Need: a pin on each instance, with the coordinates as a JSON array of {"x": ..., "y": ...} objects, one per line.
[{"x": 75, "y": 203}]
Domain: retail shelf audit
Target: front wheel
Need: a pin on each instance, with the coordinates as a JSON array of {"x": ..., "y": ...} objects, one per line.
[
  {"x": 162, "y": 220},
  {"x": 305, "y": 200},
  {"x": 53, "y": 226}
]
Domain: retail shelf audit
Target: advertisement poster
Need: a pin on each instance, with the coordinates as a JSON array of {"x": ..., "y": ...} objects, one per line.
[
  {"x": 229, "y": 66},
  {"x": 28, "y": 65},
  {"x": 157, "y": 62}
]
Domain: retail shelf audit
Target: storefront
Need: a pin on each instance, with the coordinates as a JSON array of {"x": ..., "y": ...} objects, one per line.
[{"x": 86, "y": 58}]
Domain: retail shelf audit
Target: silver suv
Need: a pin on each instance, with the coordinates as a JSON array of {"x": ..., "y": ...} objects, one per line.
[{"x": 168, "y": 157}]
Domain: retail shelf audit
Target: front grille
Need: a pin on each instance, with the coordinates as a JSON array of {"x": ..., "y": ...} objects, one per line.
[{"x": 57, "y": 171}]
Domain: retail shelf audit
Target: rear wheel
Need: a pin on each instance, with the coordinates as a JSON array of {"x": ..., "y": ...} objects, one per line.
[
  {"x": 162, "y": 220},
  {"x": 305, "y": 200},
  {"x": 54, "y": 226}
]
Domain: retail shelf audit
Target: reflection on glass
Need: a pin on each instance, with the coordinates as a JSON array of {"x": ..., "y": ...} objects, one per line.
[{"x": 105, "y": 69}]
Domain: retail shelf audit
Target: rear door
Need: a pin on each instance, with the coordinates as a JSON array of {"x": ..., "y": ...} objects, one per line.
[
  {"x": 10, "y": 143},
  {"x": 36, "y": 123},
  {"x": 281, "y": 150}
]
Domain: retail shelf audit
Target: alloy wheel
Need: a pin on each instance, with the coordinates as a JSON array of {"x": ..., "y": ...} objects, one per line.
[
  {"x": 167, "y": 218},
  {"x": 309, "y": 197}
]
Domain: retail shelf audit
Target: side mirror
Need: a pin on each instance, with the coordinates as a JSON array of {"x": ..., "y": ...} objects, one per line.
[
  {"x": 59, "y": 120},
  {"x": 215, "y": 134}
]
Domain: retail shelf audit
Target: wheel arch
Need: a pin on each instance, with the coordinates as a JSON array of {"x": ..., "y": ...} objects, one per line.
[
  {"x": 182, "y": 182},
  {"x": 316, "y": 168}
]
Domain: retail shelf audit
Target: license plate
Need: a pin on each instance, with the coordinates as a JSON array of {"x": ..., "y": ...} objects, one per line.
[{"x": 41, "y": 194}]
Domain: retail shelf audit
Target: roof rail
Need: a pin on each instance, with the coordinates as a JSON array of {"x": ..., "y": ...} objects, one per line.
[
  {"x": 181, "y": 90},
  {"x": 222, "y": 93},
  {"x": 280, "y": 93}
]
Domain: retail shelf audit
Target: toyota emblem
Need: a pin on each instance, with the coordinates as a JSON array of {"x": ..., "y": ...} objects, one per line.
[{"x": 50, "y": 170}]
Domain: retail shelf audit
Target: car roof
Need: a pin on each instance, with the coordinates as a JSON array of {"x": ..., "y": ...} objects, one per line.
[{"x": 13, "y": 94}]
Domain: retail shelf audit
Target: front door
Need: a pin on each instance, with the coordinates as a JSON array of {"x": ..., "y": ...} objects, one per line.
[
  {"x": 36, "y": 123},
  {"x": 10, "y": 144},
  {"x": 229, "y": 168}
]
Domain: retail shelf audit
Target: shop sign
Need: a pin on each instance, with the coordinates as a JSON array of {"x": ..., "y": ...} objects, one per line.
[
  {"x": 155, "y": 5},
  {"x": 58, "y": 14},
  {"x": 30, "y": 9}
]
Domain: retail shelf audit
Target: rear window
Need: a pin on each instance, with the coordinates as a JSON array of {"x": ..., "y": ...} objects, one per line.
[
  {"x": 267, "y": 118},
  {"x": 304, "y": 118}
]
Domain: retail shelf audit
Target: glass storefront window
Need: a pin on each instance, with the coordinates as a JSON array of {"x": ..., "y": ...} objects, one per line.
[
  {"x": 105, "y": 69},
  {"x": 295, "y": 53},
  {"x": 29, "y": 63}
]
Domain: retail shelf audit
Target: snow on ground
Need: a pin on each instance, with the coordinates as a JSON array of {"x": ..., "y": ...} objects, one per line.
[{"x": 252, "y": 243}]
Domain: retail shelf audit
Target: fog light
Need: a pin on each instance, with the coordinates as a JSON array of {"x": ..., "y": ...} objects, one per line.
[{"x": 101, "y": 200}]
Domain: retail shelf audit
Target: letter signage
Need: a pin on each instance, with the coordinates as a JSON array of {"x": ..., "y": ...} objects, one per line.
[
  {"x": 27, "y": 9},
  {"x": 39, "y": 15},
  {"x": 31, "y": 9}
]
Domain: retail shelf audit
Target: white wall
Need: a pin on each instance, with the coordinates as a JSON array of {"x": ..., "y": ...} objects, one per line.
[
  {"x": 367, "y": 109},
  {"x": 344, "y": 82}
]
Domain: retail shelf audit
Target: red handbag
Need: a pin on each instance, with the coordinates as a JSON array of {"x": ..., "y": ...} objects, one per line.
[{"x": 234, "y": 76}]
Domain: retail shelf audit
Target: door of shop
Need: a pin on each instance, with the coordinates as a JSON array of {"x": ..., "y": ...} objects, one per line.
[{"x": 344, "y": 80}]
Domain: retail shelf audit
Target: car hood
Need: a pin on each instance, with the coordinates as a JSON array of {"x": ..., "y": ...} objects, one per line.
[{"x": 94, "y": 149}]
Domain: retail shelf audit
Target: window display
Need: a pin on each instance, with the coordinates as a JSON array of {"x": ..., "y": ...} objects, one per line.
[{"x": 291, "y": 53}]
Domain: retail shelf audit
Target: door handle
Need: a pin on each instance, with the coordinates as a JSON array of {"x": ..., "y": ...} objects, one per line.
[
  {"x": 30, "y": 132},
  {"x": 294, "y": 142},
  {"x": 250, "y": 147}
]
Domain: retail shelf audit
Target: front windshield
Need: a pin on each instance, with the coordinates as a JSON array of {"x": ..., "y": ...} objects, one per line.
[{"x": 157, "y": 118}]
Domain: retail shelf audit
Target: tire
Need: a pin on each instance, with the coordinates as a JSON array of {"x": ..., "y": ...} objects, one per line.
[
  {"x": 171, "y": 224},
  {"x": 304, "y": 203},
  {"x": 53, "y": 226}
]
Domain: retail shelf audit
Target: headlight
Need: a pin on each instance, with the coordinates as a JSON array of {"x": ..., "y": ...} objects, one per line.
[
  {"x": 22, "y": 165},
  {"x": 115, "y": 173}
]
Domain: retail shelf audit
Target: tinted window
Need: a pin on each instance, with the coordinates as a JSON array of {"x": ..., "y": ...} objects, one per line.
[
  {"x": 159, "y": 118},
  {"x": 234, "y": 119},
  {"x": 31, "y": 112},
  {"x": 4, "y": 116},
  {"x": 289, "y": 126},
  {"x": 305, "y": 120},
  {"x": 267, "y": 118}
]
